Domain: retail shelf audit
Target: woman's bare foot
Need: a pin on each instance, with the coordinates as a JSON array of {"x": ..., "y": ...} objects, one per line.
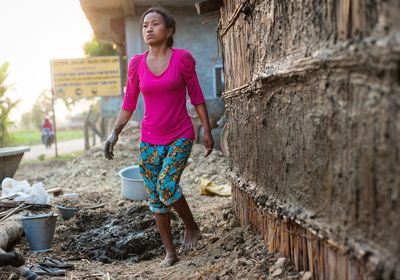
[
  {"x": 169, "y": 260},
  {"x": 190, "y": 239}
]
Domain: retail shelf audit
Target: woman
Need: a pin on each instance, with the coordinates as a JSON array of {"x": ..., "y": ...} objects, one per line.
[
  {"x": 163, "y": 74},
  {"x": 47, "y": 133}
]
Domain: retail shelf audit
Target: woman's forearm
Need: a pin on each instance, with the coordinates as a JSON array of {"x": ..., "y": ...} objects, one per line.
[
  {"x": 123, "y": 117},
  {"x": 201, "y": 110}
]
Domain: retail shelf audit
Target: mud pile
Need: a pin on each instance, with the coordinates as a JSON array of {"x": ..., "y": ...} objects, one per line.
[{"x": 128, "y": 234}]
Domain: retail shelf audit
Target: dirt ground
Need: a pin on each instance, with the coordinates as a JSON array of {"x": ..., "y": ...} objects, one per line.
[{"x": 121, "y": 241}]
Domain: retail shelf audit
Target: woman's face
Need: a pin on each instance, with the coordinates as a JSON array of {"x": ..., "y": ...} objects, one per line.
[{"x": 154, "y": 30}]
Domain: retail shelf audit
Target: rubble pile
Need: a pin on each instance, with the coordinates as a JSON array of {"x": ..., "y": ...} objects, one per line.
[
  {"x": 234, "y": 252},
  {"x": 122, "y": 240}
]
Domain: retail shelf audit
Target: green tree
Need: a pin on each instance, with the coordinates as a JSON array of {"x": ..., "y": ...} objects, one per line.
[
  {"x": 26, "y": 122},
  {"x": 41, "y": 108},
  {"x": 96, "y": 48},
  {"x": 6, "y": 105}
]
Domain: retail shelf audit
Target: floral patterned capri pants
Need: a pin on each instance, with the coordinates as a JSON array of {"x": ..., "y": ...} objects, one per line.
[{"x": 161, "y": 167}]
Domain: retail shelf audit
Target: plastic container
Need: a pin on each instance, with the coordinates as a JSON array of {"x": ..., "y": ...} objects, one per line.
[
  {"x": 132, "y": 184},
  {"x": 67, "y": 212},
  {"x": 39, "y": 231}
]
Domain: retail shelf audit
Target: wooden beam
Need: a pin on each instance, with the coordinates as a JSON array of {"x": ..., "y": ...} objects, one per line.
[
  {"x": 55, "y": 191},
  {"x": 10, "y": 231},
  {"x": 357, "y": 16},
  {"x": 129, "y": 7},
  {"x": 206, "y": 6},
  {"x": 343, "y": 20}
]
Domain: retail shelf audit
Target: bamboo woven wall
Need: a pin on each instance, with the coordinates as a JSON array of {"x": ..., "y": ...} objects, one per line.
[
  {"x": 238, "y": 55},
  {"x": 313, "y": 90},
  {"x": 308, "y": 250}
]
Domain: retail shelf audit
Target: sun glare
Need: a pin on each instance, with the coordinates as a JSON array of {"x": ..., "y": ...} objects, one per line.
[{"x": 33, "y": 33}]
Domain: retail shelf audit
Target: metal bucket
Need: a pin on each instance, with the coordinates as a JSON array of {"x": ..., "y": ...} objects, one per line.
[
  {"x": 39, "y": 231},
  {"x": 67, "y": 212}
]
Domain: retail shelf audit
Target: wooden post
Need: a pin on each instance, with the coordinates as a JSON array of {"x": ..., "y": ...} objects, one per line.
[
  {"x": 54, "y": 112},
  {"x": 54, "y": 122},
  {"x": 11, "y": 230},
  {"x": 357, "y": 16},
  {"x": 93, "y": 138},
  {"x": 206, "y": 6},
  {"x": 86, "y": 132},
  {"x": 103, "y": 129},
  {"x": 343, "y": 19}
]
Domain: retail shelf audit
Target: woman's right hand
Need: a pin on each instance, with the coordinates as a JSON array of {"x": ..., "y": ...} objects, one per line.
[
  {"x": 109, "y": 145},
  {"x": 123, "y": 118},
  {"x": 208, "y": 142}
]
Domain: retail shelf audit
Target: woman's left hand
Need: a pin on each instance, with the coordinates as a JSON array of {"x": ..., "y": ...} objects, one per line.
[{"x": 208, "y": 142}]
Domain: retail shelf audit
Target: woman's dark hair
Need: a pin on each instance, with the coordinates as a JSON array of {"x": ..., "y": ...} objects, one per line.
[{"x": 168, "y": 18}]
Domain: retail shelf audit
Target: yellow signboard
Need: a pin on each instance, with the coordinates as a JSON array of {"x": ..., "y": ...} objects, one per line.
[{"x": 86, "y": 77}]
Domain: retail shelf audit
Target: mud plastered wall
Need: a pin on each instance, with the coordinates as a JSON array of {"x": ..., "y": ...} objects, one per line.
[{"x": 313, "y": 103}]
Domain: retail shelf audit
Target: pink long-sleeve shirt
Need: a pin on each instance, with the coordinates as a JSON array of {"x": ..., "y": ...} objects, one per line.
[{"x": 165, "y": 116}]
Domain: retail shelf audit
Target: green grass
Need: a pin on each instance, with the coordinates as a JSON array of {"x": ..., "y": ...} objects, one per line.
[
  {"x": 65, "y": 157},
  {"x": 32, "y": 137}
]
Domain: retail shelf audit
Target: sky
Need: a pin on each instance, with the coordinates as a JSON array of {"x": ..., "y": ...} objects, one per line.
[{"x": 32, "y": 33}]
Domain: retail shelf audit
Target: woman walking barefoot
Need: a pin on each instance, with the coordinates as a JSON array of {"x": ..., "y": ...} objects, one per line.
[{"x": 162, "y": 74}]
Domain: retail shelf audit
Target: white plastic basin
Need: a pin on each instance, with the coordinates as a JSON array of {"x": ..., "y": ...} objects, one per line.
[{"x": 132, "y": 185}]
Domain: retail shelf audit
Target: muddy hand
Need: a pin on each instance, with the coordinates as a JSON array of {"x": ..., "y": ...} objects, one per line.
[
  {"x": 208, "y": 143},
  {"x": 109, "y": 145}
]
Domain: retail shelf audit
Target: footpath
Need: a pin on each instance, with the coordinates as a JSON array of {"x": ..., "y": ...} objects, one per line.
[{"x": 64, "y": 147}]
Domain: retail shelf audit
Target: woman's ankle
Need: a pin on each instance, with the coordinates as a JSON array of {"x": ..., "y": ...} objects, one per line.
[{"x": 171, "y": 253}]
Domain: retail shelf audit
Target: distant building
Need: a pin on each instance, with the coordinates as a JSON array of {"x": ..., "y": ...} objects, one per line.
[{"x": 118, "y": 22}]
